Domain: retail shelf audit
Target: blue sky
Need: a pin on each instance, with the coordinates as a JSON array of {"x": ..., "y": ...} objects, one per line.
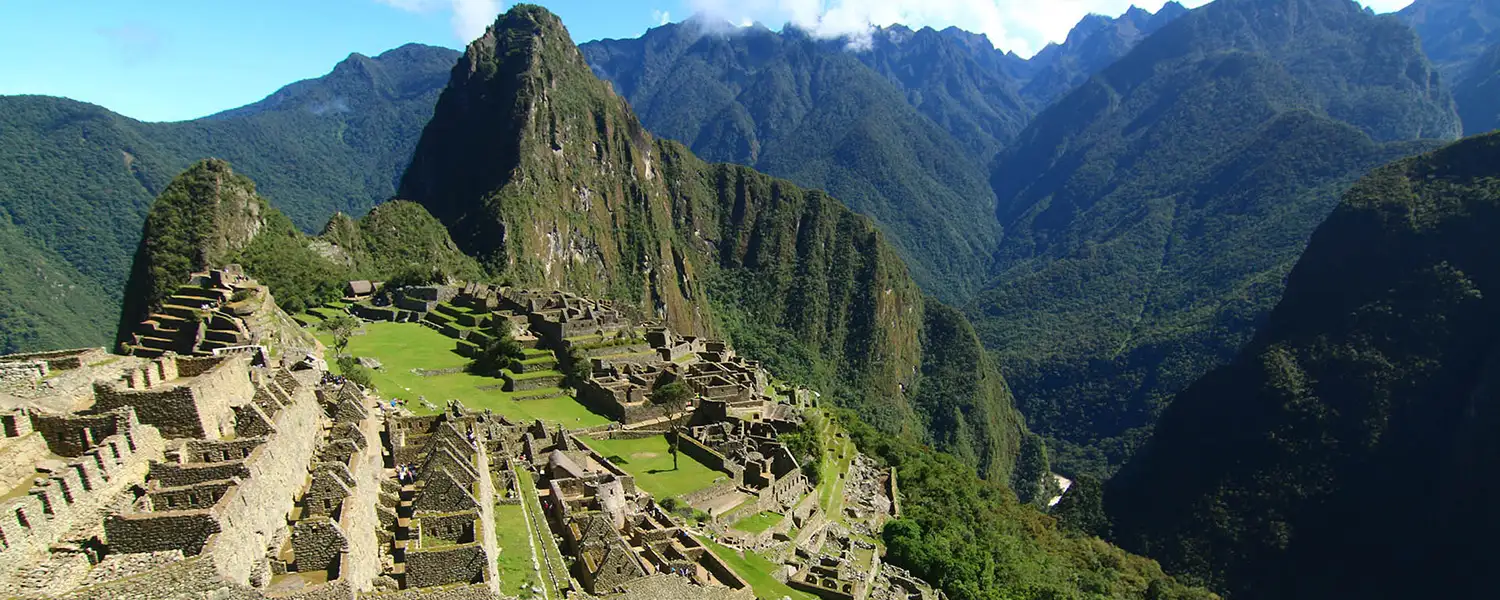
[{"x": 167, "y": 60}]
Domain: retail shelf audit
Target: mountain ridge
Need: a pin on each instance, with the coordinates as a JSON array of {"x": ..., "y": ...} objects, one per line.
[
  {"x": 1365, "y": 391},
  {"x": 1151, "y": 214},
  {"x": 76, "y": 180}
]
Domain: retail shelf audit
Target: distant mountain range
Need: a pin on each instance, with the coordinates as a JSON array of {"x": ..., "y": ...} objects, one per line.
[
  {"x": 902, "y": 131},
  {"x": 76, "y": 179}
]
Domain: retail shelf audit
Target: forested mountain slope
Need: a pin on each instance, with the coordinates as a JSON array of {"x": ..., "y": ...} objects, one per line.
[
  {"x": 804, "y": 109},
  {"x": 901, "y": 126},
  {"x": 210, "y": 216},
  {"x": 76, "y": 180},
  {"x": 1151, "y": 214},
  {"x": 1478, "y": 94},
  {"x": 1349, "y": 450},
  {"x": 544, "y": 174}
]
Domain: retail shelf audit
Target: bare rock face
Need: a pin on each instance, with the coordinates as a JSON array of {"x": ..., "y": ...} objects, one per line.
[{"x": 205, "y": 216}]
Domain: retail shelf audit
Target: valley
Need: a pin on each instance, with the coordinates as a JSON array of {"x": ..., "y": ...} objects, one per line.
[{"x": 1190, "y": 304}]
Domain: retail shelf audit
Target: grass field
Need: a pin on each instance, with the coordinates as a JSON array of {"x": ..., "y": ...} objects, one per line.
[
  {"x": 650, "y": 461},
  {"x": 758, "y": 522},
  {"x": 757, "y": 572},
  {"x": 516, "y": 573},
  {"x": 402, "y": 347},
  {"x": 839, "y": 453}
]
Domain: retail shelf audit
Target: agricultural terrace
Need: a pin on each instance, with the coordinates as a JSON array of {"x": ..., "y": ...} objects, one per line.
[
  {"x": 649, "y": 460},
  {"x": 417, "y": 362}
]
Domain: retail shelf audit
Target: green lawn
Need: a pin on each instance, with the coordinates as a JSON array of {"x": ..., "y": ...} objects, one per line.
[
  {"x": 839, "y": 453},
  {"x": 757, "y": 572},
  {"x": 401, "y": 347},
  {"x": 650, "y": 461},
  {"x": 758, "y": 522},
  {"x": 545, "y": 543},
  {"x": 514, "y": 541}
]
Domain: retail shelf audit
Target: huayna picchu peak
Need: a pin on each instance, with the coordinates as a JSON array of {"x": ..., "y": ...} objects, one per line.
[
  {"x": 777, "y": 302},
  {"x": 542, "y": 172}
]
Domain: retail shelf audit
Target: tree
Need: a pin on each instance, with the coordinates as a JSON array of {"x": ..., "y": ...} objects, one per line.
[
  {"x": 578, "y": 367},
  {"x": 673, "y": 398},
  {"x": 342, "y": 326},
  {"x": 504, "y": 352}
]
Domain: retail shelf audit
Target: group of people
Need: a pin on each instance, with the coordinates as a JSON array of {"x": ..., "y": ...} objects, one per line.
[{"x": 406, "y": 474}]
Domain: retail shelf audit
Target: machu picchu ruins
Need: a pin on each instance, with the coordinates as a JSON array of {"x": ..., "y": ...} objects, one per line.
[{"x": 217, "y": 455}]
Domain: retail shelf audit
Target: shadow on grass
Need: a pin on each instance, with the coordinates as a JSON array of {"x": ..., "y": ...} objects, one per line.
[
  {"x": 660, "y": 471},
  {"x": 617, "y": 459}
]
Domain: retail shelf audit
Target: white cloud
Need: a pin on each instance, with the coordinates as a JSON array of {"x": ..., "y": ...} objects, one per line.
[
  {"x": 469, "y": 17},
  {"x": 661, "y": 17},
  {"x": 1023, "y": 26}
]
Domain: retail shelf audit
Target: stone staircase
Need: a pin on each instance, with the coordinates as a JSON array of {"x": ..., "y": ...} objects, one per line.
[{"x": 194, "y": 321}]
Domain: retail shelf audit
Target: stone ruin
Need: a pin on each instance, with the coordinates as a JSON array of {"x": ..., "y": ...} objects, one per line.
[
  {"x": 621, "y": 541},
  {"x": 622, "y": 388}
]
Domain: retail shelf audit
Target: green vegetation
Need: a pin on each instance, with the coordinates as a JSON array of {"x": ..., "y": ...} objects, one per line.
[
  {"x": 807, "y": 445},
  {"x": 282, "y": 258},
  {"x": 756, "y": 571},
  {"x": 842, "y": 127},
  {"x": 1349, "y": 450},
  {"x": 648, "y": 460},
  {"x": 340, "y": 326},
  {"x": 405, "y": 348},
  {"x": 1152, "y": 214},
  {"x": 792, "y": 276},
  {"x": 901, "y": 132},
  {"x": 76, "y": 180},
  {"x": 1478, "y": 94},
  {"x": 514, "y": 540},
  {"x": 759, "y": 522},
  {"x": 674, "y": 399},
  {"x": 502, "y": 352},
  {"x": 975, "y": 541}
]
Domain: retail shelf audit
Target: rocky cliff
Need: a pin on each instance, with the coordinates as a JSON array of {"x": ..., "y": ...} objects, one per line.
[
  {"x": 543, "y": 173},
  {"x": 204, "y": 216}
]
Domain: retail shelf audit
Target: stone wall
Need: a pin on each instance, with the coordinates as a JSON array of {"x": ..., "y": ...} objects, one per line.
[
  {"x": 18, "y": 458},
  {"x": 196, "y": 406},
  {"x": 256, "y": 509},
  {"x": 318, "y": 544},
  {"x": 160, "y": 531},
  {"x": 78, "y": 493},
  {"x": 190, "y": 578},
  {"x": 465, "y": 592},
  {"x": 361, "y": 563},
  {"x": 72, "y": 435},
  {"x": 455, "y": 564}
]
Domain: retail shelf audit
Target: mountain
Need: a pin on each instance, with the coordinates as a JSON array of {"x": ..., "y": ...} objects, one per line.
[
  {"x": 1095, "y": 43},
  {"x": 210, "y": 216},
  {"x": 1478, "y": 94},
  {"x": 1349, "y": 449},
  {"x": 76, "y": 180},
  {"x": 544, "y": 174},
  {"x": 540, "y": 170},
  {"x": 1454, "y": 33},
  {"x": 1151, "y": 214},
  {"x": 901, "y": 126},
  {"x": 805, "y": 109}
]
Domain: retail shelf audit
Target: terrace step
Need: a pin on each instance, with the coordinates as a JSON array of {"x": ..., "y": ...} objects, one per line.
[
  {"x": 207, "y": 293},
  {"x": 182, "y": 312}
]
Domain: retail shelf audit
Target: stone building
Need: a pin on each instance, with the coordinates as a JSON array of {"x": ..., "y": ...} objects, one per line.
[
  {"x": 616, "y": 534},
  {"x": 443, "y": 529}
]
